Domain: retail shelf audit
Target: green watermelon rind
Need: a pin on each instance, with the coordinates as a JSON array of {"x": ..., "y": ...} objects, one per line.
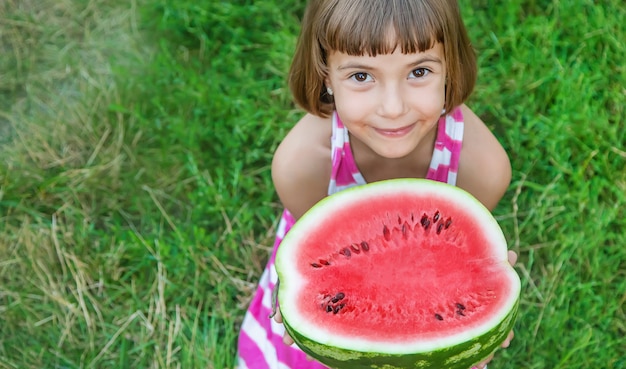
[
  {"x": 458, "y": 355},
  {"x": 461, "y": 356}
]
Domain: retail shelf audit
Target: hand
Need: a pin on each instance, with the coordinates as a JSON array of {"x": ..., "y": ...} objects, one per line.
[
  {"x": 512, "y": 260},
  {"x": 287, "y": 340}
]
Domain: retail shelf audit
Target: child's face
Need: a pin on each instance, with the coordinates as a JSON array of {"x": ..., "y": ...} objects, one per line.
[{"x": 389, "y": 102}]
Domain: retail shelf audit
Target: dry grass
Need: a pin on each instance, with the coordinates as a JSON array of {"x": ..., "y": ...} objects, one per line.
[
  {"x": 89, "y": 211},
  {"x": 64, "y": 142}
]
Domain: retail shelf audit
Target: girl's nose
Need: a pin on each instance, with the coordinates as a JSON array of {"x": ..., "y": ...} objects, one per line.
[{"x": 392, "y": 104}]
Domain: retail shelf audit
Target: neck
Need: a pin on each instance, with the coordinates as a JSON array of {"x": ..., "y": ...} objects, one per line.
[{"x": 374, "y": 167}]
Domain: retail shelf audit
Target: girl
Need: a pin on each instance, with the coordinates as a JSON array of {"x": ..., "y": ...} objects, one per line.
[{"x": 383, "y": 82}]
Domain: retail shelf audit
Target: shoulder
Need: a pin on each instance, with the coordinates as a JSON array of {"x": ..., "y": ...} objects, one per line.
[
  {"x": 301, "y": 166},
  {"x": 484, "y": 166}
]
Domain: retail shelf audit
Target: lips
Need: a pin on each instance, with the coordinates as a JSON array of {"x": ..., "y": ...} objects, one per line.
[{"x": 397, "y": 132}]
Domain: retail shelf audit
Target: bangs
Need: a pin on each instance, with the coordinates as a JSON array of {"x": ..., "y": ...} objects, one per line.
[{"x": 373, "y": 27}]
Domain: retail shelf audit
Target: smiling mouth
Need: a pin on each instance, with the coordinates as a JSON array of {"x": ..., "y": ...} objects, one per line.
[{"x": 398, "y": 132}]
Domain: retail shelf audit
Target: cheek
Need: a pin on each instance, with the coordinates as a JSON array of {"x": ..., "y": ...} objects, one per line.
[
  {"x": 440, "y": 94},
  {"x": 430, "y": 102},
  {"x": 353, "y": 108},
  {"x": 439, "y": 91}
]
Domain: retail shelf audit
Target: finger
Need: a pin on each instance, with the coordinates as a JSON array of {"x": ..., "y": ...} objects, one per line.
[
  {"x": 512, "y": 256},
  {"x": 278, "y": 318},
  {"x": 508, "y": 340},
  {"x": 287, "y": 340}
]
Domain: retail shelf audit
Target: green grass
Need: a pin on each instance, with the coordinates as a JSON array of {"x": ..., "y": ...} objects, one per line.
[{"x": 136, "y": 206}]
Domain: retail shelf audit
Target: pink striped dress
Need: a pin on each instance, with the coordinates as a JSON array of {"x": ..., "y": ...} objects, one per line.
[{"x": 260, "y": 341}]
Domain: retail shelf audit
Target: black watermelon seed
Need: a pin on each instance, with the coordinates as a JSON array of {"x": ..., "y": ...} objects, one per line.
[
  {"x": 436, "y": 217},
  {"x": 337, "y": 308},
  {"x": 439, "y": 228},
  {"x": 448, "y": 223},
  {"x": 424, "y": 220},
  {"x": 346, "y": 252},
  {"x": 426, "y": 224},
  {"x": 315, "y": 265},
  {"x": 338, "y": 297},
  {"x": 460, "y": 306},
  {"x": 365, "y": 246},
  {"x": 438, "y": 317},
  {"x": 355, "y": 248},
  {"x": 329, "y": 308},
  {"x": 386, "y": 233}
]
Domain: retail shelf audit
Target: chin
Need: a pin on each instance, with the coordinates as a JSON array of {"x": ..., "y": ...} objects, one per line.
[{"x": 394, "y": 154}]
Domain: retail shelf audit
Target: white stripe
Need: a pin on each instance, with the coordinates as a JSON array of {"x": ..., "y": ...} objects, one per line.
[
  {"x": 335, "y": 188},
  {"x": 338, "y": 135},
  {"x": 241, "y": 364},
  {"x": 358, "y": 181},
  {"x": 258, "y": 335},
  {"x": 358, "y": 178},
  {"x": 454, "y": 129},
  {"x": 332, "y": 186},
  {"x": 452, "y": 178},
  {"x": 441, "y": 157},
  {"x": 273, "y": 274},
  {"x": 282, "y": 225},
  {"x": 264, "y": 281},
  {"x": 267, "y": 298}
]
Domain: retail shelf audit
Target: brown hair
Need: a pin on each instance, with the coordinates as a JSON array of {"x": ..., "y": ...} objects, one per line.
[{"x": 359, "y": 27}]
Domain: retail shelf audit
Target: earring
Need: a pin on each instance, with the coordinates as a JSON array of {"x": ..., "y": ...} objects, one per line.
[{"x": 329, "y": 91}]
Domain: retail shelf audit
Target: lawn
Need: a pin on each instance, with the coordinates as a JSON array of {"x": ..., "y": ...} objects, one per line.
[{"x": 136, "y": 205}]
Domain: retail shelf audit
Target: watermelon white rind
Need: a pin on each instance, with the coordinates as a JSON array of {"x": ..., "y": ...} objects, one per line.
[{"x": 377, "y": 337}]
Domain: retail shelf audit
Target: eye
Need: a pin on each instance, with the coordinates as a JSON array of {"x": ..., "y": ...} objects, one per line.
[
  {"x": 419, "y": 73},
  {"x": 361, "y": 77}
]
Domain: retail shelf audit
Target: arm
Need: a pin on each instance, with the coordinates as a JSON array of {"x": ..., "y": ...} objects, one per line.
[
  {"x": 301, "y": 170},
  {"x": 302, "y": 165},
  {"x": 484, "y": 167}
]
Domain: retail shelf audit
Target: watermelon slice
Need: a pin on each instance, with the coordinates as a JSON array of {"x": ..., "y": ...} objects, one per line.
[{"x": 404, "y": 273}]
